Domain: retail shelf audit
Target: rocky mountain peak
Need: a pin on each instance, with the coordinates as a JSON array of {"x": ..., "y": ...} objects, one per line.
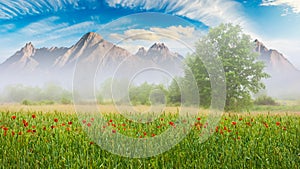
[
  {"x": 141, "y": 52},
  {"x": 89, "y": 39},
  {"x": 260, "y": 47},
  {"x": 159, "y": 47}
]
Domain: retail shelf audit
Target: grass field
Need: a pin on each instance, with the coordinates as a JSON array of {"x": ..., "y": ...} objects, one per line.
[{"x": 53, "y": 137}]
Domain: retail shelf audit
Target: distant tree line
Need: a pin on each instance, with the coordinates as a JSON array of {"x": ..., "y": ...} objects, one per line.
[{"x": 27, "y": 95}]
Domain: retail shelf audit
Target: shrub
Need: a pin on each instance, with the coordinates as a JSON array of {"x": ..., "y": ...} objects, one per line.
[{"x": 265, "y": 100}]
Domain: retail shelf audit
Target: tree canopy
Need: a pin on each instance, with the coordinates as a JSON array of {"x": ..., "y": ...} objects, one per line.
[{"x": 243, "y": 72}]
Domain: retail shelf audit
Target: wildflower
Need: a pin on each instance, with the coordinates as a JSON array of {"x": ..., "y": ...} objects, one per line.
[
  {"x": 5, "y": 128},
  {"x": 240, "y": 119},
  {"x": 33, "y": 116},
  {"x": 172, "y": 123},
  {"x": 52, "y": 127},
  {"x": 110, "y": 120},
  {"x": 29, "y": 131},
  {"x": 198, "y": 118},
  {"x": 20, "y": 133},
  {"x": 145, "y": 134},
  {"x": 114, "y": 131},
  {"x": 233, "y": 123},
  {"x": 70, "y": 123},
  {"x": 55, "y": 120},
  {"x": 153, "y": 135},
  {"x": 33, "y": 131},
  {"x": 13, "y": 117},
  {"x": 44, "y": 128},
  {"x": 68, "y": 129},
  {"x": 63, "y": 124},
  {"x": 278, "y": 123},
  {"x": 83, "y": 121},
  {"x": 13, "y": 133},
  {"x": 89, "y": 124},
  {"x": 217, "y": 129},
  {"x": 91, "y": 143}
]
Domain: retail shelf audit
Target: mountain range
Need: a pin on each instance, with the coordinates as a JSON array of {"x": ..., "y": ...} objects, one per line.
[{"x": 92, "y": 51}]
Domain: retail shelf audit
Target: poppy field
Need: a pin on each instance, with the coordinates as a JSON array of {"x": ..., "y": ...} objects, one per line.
[{"x": 57, "y": 140}]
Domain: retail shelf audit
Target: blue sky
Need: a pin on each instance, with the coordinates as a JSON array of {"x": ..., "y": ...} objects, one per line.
[{"x": 48, "y": 23}]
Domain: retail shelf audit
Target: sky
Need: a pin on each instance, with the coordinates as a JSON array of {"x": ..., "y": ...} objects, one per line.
[{"x": 135, "y": 23}]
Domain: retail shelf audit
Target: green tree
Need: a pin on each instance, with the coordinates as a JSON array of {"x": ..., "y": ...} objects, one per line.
[{"x": 243, "y": 72}]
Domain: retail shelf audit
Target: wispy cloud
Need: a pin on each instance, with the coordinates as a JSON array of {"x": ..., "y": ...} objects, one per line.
[
  {"x": 293, "y": 4},
  {"x": 209, "y": 12},
  {"x": 17, "y": 8}
]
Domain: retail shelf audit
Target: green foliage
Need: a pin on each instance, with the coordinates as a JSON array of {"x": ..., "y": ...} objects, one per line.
[
  {"x": 235, "y": 50},
  {"x": 26, "y": 102},
  {"x": 146, "y": 94},
  {"x": 265, "y": 100},
  {"x": 65, "y": 100}
]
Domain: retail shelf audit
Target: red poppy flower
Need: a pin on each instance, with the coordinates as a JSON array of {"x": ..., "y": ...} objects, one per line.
[
  {"x": 233, "y": 123},
  {"x": 123, "y": 124},
  {"x": 5, "y": 128},
  {"x": 153, "y": 135},
  {"x": 52, "y": 127},
  {"x": 13, "y": 117},
  {"x": 110, "y": 120},
  {"x": 70, "y": 123},
  {"x": 278, "y": 123},
  {"x": 240, "y": 119},
  {"x": 33, "y": 127},
  {"x": 198, "y": 118},
  {"x": 172, "y": 123},
  {"x": 33, "y": 131},
  {"x": 145, "y": 134},
  {"x": 89, "y": 124},
  {"x": 13, "y": 133},
  {"x": 91, "y": 143},
  {"x": 92, "y": 119},
  {"x": 20, "y": 133},
  {"x": 83, "y": 121},
  {"x": 26, "y": 124},
  {"x": 55, "y": 120},
  {"x": 266, "y": 125},
  {"x": 114, "y": 131},
  {"x": 217, "y": 129},
  {"x": 33, "y": 116},
  {"x": 29, "y": 131},
  {"x": 44, "y": 128},
  {"x": 63, "y": 124},
  {"x": 68, "y": 129}
]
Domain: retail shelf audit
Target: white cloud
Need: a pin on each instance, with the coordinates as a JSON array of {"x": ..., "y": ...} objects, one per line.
[
  {"x": 15, "y": 8},
  {"x": 156, "y": 33},
  {"x": 293, "y": 4},
  {"x": 210, "y": 12}
]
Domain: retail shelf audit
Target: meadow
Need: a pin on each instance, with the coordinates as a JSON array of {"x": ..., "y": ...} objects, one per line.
[{"x": 53, "y": 137}]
